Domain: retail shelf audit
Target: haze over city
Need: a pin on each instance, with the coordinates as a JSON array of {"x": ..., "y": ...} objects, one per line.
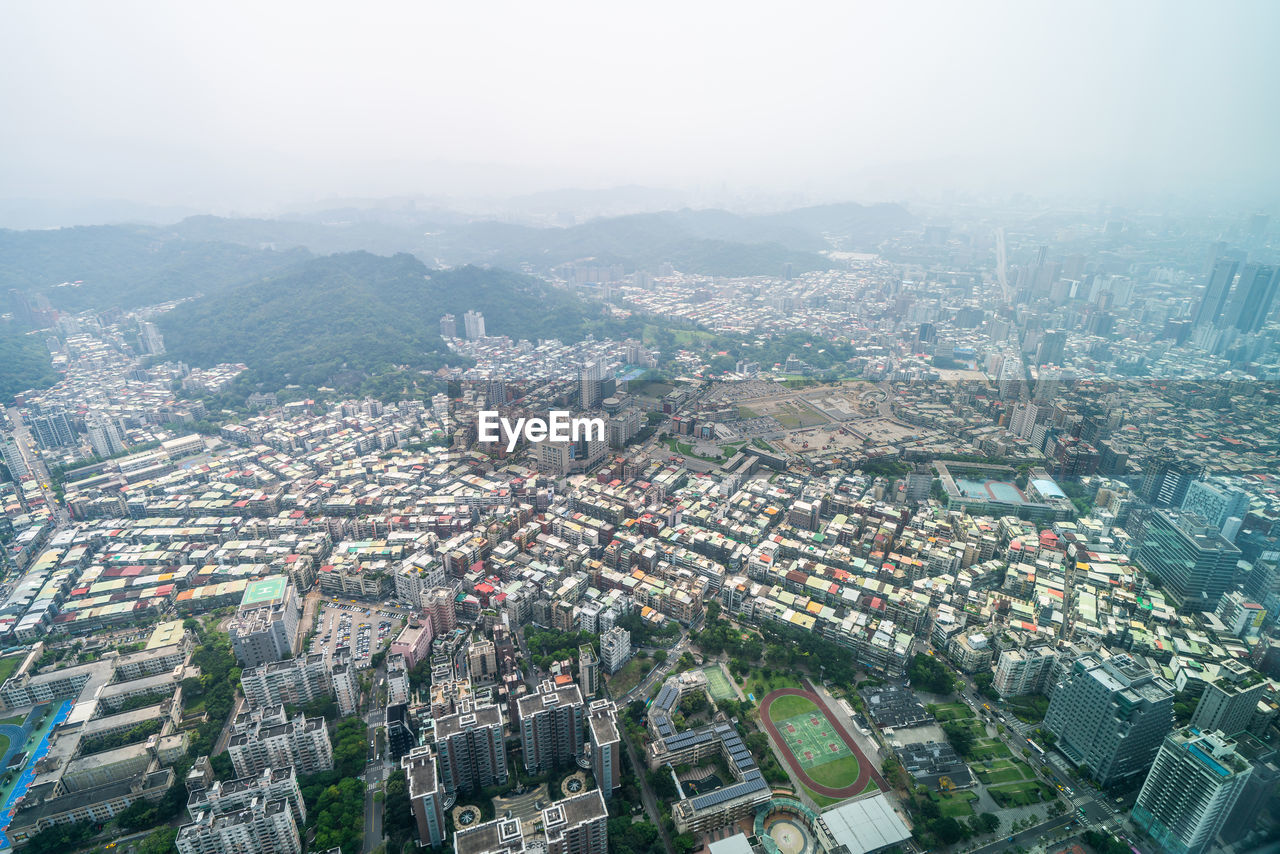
[
  {"x": 257, "y": 109},
  {"x": 705, "y": 428}
]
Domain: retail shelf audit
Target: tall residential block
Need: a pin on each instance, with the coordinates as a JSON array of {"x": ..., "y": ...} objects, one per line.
[
  {"x": 473, "y": 754},
  {"x": 552, "y": 725},
  {"x": 1230, "y": 699},
  {"x": 606, "y": 746},
  {"x": 425, "y": 796},
  {"x": 1110, "y": 715},
  {"x": 1193, "y": 785}
]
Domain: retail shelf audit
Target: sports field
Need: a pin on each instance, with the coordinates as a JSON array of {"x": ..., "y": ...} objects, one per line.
[
  {"x": 718, "y": 684},
  {"x": 820, "y": 751}
]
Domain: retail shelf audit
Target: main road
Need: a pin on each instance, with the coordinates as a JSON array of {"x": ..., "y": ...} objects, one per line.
[{"x": 35, "y": 463}]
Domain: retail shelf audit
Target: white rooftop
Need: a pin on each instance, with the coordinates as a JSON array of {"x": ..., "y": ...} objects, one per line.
[{"x": 866, "y": 824}]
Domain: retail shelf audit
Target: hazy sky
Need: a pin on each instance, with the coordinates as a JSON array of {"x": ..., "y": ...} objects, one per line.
[{"x": 236, "y": 105}]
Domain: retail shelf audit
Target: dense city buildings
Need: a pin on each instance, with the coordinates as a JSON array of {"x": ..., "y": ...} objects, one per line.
[{"x": 1056, "y": 491}]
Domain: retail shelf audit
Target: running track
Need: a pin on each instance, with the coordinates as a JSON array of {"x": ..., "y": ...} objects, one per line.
[{"x": 866, "y": 771}]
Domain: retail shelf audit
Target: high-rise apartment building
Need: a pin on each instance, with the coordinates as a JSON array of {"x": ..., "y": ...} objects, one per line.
[
  {"x": 1215, "y": 502},
  {"x": 425, "y": 795},
  {"x": 473, "y": 325},
  {"x": 1193, "y": 784},
  {"x": 1193, "y": 561},
  {"x": 1024, "y": 671},
  {"x": 104, "y": 438},
  {"x": 589, "y": 376},
  {"x": 448, "y": 326},
  {"x": 1166, "y": 479},
  {"x": 294, "y": 682},
  {"x": 1229, "y": 699},
  {"x": 615, "y": 649},
  {"x": 588, "y": 670},
  {"x": 266, "y": 738},
  {"x": 551, "y": 725},
  {"x": 471, "y": 748},
  {"x": 1110, "y": 716},
  {"x": 13, "y": 459},
  {"x": 221, "y": 798},
  {"x": 346, "y": 689},
  {"x": 606, "y": 746},
  {"x": 577, "y": 825},
  {"x": 264, "y": 827}
]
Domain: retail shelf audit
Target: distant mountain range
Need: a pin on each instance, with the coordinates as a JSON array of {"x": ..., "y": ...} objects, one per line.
[{"x": 374, "y": 296}]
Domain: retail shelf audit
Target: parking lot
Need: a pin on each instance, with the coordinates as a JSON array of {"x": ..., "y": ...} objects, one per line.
[{"x": 364, "y": 628}]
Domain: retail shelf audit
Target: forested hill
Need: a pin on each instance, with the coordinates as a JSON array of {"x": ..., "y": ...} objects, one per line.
[
  {"x": 126, "y": 266},
  {"x": 341, "y": 319}
]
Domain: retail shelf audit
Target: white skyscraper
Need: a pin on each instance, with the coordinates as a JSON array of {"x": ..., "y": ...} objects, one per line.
[
  {"x": 1193, "y": 784},
  {"x": 473, "y": 324},
  {"x": 104, "y": 438}
]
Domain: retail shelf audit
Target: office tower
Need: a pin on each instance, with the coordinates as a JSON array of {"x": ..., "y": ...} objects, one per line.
[
  {"x": 13, "y": 459},
  {"x": 264, "y": 827},
  {"x": 402, "y": 730},
  {"x": 152, "y": 340},
  {"x": 266, "y": 738},
  {"x": 346, "y": 690},
  {"x": 425, "y": 796},
  {"x": 577, "y": 825},
  {"x": 927, "y": 333},
  {"x": 294, "y": 682},
  {"x": 615, "y": 649},
  {"x": 1024, "y": 671},
  {"x": 606, "y": 746},
  {"x": 473, "y": 324},
  {"x": 1193, "y": 561},
  {"x": 1215, "y": 295},
  {"x": 551, "y": 725},
  {"x": 472, "y": 752},
  {"x": 104, "y": 438},
  {"x": 588, "y": 670},
  {"x": 1193, "y": 785},
  {"x": 1051, "y": 348},
  {"x": 589, "y": 376},
  {"x": 448, "y": 326},
  {"x": 1216, "y": 503},
  {"x": 1110, "y": 716},
  {"x": 1253, "y": 298},
  {"x": 1230, "y": 699},
  {"x": 1166, "y": 479}
]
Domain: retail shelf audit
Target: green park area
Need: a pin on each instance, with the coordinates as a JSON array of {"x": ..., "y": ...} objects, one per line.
[
  {"x": 955, "y": 804},
  {"x": 1021, "y": 794}
]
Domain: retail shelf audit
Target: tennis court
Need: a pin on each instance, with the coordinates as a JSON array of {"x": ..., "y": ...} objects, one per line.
[{"x": 718, "y": 684}]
